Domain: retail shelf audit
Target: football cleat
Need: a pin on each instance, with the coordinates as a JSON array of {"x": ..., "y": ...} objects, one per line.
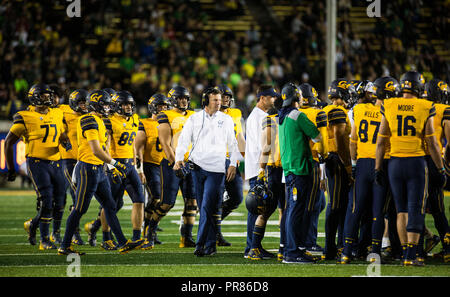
[
  {"x": 147, "y": 245},
  {"x": 76, "y": 238},
  {"x": 431, "y": 243},
  {"x": 210, "y": 251},
  {"x": 280, "y": 253},
  {"x": 199, "y": 251},
  {"x": 344, "y": 260},
  {"x": 255, "y": 254},
  {"x": 414, "y": 262},
  {"x": 68, "y": 251},
  {"x": 31, "y": 230},
  {"x": 47, "y": 245},
  {"x": 108, "y": 245},
  {"x": 266, "y": 255},
  {"x": 447, "y": 239},
  {"x": 92, "y": 233},
  {"x": 221, "y": 241},
  {"x": 55, "y": 237},
  {"x": 297, "y": 260},
  {"x": 130, "y": 245},
  {"x": 186, "y": 241}
]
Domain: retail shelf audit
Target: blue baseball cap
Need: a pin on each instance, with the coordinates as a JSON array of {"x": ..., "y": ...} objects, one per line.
[{"x": 269, "y": 92}]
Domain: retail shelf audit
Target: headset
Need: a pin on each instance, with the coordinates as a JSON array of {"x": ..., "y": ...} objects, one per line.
[{"x": 206, "y": 93}]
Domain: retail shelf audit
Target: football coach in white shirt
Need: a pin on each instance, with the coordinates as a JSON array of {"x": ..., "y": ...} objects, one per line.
[
  {"x": 211, "y": 133},
  {"x": 266, "y": 95}
]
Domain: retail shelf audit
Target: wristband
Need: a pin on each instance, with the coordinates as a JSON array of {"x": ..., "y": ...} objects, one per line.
[
  {"x": 353, "y": 162},
  {"x": 113, "y": 162},
  {"x": 139, "y": 170}
]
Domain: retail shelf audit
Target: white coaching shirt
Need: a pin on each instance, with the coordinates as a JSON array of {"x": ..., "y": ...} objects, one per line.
[
  {"x": 253, "y": 145},
  {"x": 211, "y": 137}
]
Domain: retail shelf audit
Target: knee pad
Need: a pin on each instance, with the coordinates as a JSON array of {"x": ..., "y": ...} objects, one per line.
[
  {"x": 162, "y": 211},
  {"x": 190, "y": 210}
]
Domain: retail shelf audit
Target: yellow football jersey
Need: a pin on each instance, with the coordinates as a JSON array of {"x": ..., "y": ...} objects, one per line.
[
  {"x": 442, "y": 112},
  {"x": 407, "y": 118},
  {"x": 70, "y": 123},
  {"x": 367, "y": 119},
  {"x": 336, "y": 114},
  {"x": 319, "y": 118},
  {"x": 41, "y": 133},
  {"x": 271, "y": 122},
  {"x": 153, "y": 152},
  {"x": 236, "y": 115},
  {"x": 176, "y": 121},
  {"x": 123, "y": 132},
  {"x": 90, "y": 127}
]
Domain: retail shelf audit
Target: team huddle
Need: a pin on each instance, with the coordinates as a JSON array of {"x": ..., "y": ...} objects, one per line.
[{"x": 378, "y": 150}]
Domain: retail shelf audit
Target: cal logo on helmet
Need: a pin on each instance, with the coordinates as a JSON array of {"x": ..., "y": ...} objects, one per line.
[
  {"x": 31, "y": 92},
  {"x": 96, "y": 97},
  {"x": 443, "y": 86},
  {"x": 389, "y": 86},
  {"x": 313, "y": 90},
  {"x": 343, "y": 84},
  {"x": 73, "y": 95}
]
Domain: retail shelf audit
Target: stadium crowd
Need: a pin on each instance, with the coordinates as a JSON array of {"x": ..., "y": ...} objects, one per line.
[{"x": 136, "y": 45}]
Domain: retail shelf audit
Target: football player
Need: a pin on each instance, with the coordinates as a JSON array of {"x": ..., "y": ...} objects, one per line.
[
  {"x": 90, "y": 176},
  {"x": 122, "y": 127},
  {"x": 149, "y": 155},
  {"x": 366, "y": 197},
  {"x": 43, "y": 130},
  {"x": 270, "y": 177},
  {"x": 319, "y": 151},
  {"x": 171, "y": 123},
  {"x": 234, "y": 188},
  {"x": 436, "y": 91},
  {"x": 406, "y": 121},
  {"x": 337, "y": 164},
  {"x": 71, "y": 113}
]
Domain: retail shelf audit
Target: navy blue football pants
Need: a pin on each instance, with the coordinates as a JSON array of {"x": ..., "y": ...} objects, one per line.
[
  {"x": 152, "y": 174},
  {"x": 408, "y": 178},
  {"x": 92, "y": 179},
  {"x": 337, "y": 189},
  {"x": 209, "y": 191},
  {"x": 48, "y": 181},
  {"x": 132, "y": 183},
  {"x": 435, "y": 202},
  {"x": 365, "y": 198}
]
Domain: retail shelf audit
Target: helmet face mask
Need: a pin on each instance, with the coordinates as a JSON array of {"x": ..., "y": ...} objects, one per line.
[
  {"x": 40, "y": 95},
  {"x": 260, "y": 201},
  {"x": 227, "y": 96},
  {"x": 78, "y": 101},
  {"x": 157, "y": 102},
  {"x": 100, "y": 102},
  {"x": 124, "y": 103},
  {"x": 436, "y": 90},
  {"x": 179, "y": 97}
]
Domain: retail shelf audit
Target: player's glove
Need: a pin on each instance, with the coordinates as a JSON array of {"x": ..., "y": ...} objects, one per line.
[
  {"x": 120, "y": 167},
  {"x": 116, "y": 175},
  {"x": 261, "y": 179},
  {"x": 66, "y": 145},
  {"x": 11, "y": 175},
  {"x": 441, "y": 179},
  {"x": 380, "y": 178}
]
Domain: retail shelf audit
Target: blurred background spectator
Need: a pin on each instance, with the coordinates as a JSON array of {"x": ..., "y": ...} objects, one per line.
[{"x": 149, "y": 46}]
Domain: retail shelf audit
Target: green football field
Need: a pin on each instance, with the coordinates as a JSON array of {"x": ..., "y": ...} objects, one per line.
[{"x": 19, "y": 259}]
